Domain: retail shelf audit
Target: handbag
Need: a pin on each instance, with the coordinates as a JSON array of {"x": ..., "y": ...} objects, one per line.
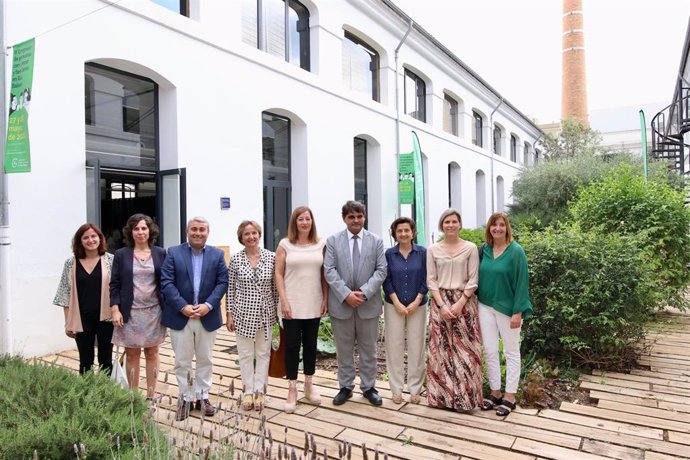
[
  {"x": 276, "y": 367},
  {"x": 118, "y": 373}
]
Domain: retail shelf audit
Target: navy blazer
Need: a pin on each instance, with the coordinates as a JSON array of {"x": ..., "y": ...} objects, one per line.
[
  {"x": 178, "y": 289},
  {"x": 122, "y": 278}
]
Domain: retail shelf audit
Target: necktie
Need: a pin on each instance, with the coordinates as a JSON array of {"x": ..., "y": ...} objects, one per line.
[{"x": 355, "y": 258}]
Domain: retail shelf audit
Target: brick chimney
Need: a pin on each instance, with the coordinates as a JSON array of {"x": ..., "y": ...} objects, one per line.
[{"x": 574, "y": 91}]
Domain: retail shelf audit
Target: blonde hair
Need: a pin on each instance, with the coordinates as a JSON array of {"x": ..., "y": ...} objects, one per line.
[
  {"x": 445, "y": 214},
  {"x": 244, "y": 224}
]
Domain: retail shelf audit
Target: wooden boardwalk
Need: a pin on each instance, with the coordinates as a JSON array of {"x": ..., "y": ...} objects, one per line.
[{"x": 643, "y": 415}]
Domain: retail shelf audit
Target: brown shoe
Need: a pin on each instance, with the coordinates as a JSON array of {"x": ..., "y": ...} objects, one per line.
[
  {"x": 205, "y": 406},
  {"x": 182, "y": 410}
]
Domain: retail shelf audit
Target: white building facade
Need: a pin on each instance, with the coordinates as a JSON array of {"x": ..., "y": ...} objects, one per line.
[{"x": 168, "y": 110}]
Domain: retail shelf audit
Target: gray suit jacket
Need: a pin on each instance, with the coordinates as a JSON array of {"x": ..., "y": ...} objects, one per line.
[{"x": 338, "y": 268}]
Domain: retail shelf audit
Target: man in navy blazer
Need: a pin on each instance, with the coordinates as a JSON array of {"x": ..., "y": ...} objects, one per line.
[
  {"x": 355, "y": 268},
  {"x": 194, "y": 279}
]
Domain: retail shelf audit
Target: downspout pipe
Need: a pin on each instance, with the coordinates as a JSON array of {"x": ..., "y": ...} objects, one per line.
[
  {"x": 6, "y": 339},
  {"x": 683, "y": 79},
  {"x": 397, "y": 112},
  {"x": 491, "y": 150}
]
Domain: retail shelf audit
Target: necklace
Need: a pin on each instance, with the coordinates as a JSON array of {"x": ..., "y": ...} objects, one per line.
[
  {"x": 142, "y": 254},
  {"x": 254, "y": 258},
  {"x": 498, "y": 251}
]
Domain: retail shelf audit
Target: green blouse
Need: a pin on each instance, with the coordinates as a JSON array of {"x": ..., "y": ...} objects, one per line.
[{"x": 504, "y": 282}]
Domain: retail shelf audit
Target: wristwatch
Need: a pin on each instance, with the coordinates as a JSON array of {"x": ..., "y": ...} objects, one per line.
[{"x": 440, "y": 305}]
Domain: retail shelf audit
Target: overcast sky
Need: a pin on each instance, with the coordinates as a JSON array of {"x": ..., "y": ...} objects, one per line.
[{"x": 633, "y": 47}]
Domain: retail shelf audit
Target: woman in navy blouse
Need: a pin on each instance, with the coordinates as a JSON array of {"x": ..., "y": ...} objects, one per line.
[{"x": 405, "y": 310}]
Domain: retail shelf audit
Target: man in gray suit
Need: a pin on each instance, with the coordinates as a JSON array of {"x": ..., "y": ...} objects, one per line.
[{"x": 355, "y": 266}]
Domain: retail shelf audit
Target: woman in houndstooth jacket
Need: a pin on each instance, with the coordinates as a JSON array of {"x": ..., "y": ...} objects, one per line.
[{"x": 252, "y": 304}]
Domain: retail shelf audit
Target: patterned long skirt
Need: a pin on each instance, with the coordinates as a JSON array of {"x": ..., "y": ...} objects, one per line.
[{"x": 454, "y": 363}]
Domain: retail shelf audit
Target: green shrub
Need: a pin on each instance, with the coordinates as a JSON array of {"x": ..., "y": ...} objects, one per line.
[
  {"x": 50, "y": 410},
  {"x": 591, "y": 296},
  {"x": 543, "y": 191},
  {"x": 474, "y": 235},
  {"x": 325, "y": 342},
  {"x": 623, "y": 202}
]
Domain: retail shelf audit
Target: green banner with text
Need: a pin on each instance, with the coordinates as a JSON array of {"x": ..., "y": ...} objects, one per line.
[
  {"x": 17, "y": 151},
  {"x": 406, "y": 178}
]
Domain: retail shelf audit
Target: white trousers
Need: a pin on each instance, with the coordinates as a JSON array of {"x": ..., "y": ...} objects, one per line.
[
  {"x": 254, "y": 377},
  {"x": 494, "y": 325},
  {"x": 188, "y": 343},
  {"x": 397, "y": 329}
]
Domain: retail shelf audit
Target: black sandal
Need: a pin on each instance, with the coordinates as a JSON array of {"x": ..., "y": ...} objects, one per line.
[
  {"x": 490, "y": 402},
  {"x": 505, "y": 408}
]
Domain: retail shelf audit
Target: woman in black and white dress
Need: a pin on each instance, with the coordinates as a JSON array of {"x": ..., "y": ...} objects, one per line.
[{"x": 252, "y": 306}]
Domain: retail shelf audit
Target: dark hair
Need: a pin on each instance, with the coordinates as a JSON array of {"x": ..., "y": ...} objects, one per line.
[
  {"x": 403, "y": 220},
  {"x": 492, "y": 220},
  {"x": 244, "y": 224},
  {"x": 78, "y": 248},
  {"x": 292, "y": 226},
  {"x": 447, "y": 213},
  {"x": 133, "y": 222},
  {"x": 354, "y": 206}
]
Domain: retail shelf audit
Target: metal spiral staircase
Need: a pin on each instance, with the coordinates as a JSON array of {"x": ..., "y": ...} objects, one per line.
[{"x": 669, "y": 129}]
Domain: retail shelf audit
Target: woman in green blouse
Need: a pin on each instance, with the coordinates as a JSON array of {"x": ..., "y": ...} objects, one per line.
[{"x": 503, "y": 303}]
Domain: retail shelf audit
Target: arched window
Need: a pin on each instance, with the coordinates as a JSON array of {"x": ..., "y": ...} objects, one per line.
[
  {"x": 360, "y": 66},
  {"x": 454, "y": 186},
  {"x": 415, "y": 96},
  {"x": 480, "y": 179},
  {"x": 498, "y": 134},
  {"x": 122, "y": 164},
  {"x": 267, "y": 30},
  {"x": 477, "y": 132},
  {"x": 450, "y": 115},
  {"x": 513, "y": 148},
  {"x": 275, "y": 133},
  {"x": 525, "y": 154}
]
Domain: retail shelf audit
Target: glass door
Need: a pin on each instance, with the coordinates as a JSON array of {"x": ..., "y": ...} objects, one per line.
[
  {"x": 172, "y": 204},
  {"x": 113, "y": 194},
  {"x": 276, "y": 212}
]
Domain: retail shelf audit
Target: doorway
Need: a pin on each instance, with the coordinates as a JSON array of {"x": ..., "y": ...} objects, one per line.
[{"x": 122, "y": 192}]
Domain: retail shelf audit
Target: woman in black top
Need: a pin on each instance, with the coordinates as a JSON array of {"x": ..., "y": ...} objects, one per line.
[{"x": 83, "y": 293}]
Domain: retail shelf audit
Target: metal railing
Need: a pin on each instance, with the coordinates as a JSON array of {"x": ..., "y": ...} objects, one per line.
[{"x": 669, "y": 127}]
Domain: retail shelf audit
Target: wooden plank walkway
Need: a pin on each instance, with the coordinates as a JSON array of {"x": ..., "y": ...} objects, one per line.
[{"x": 643, "y": 415}]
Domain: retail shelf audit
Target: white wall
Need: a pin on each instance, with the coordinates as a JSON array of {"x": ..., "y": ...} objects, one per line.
[{"x": 212, "y": 91}]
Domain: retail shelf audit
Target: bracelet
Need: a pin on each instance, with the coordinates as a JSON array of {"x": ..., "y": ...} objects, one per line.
[{"x": 468, "y": 297}]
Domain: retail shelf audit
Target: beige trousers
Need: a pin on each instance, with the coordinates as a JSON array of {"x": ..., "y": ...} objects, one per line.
[
  {"x": 398, "y": 328},
  {"x": 254, "y": 376},
  {"x": 193, "y": 342}
]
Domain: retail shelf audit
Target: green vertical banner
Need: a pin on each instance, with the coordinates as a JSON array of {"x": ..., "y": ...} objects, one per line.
[
  {"x": 419, "y": 190},
  {"x": 406, "y": 178},
  {"x": 17, "y": 152},
  {"x": 411, "y": 185},
  {"x": 643, "y": 133}
]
